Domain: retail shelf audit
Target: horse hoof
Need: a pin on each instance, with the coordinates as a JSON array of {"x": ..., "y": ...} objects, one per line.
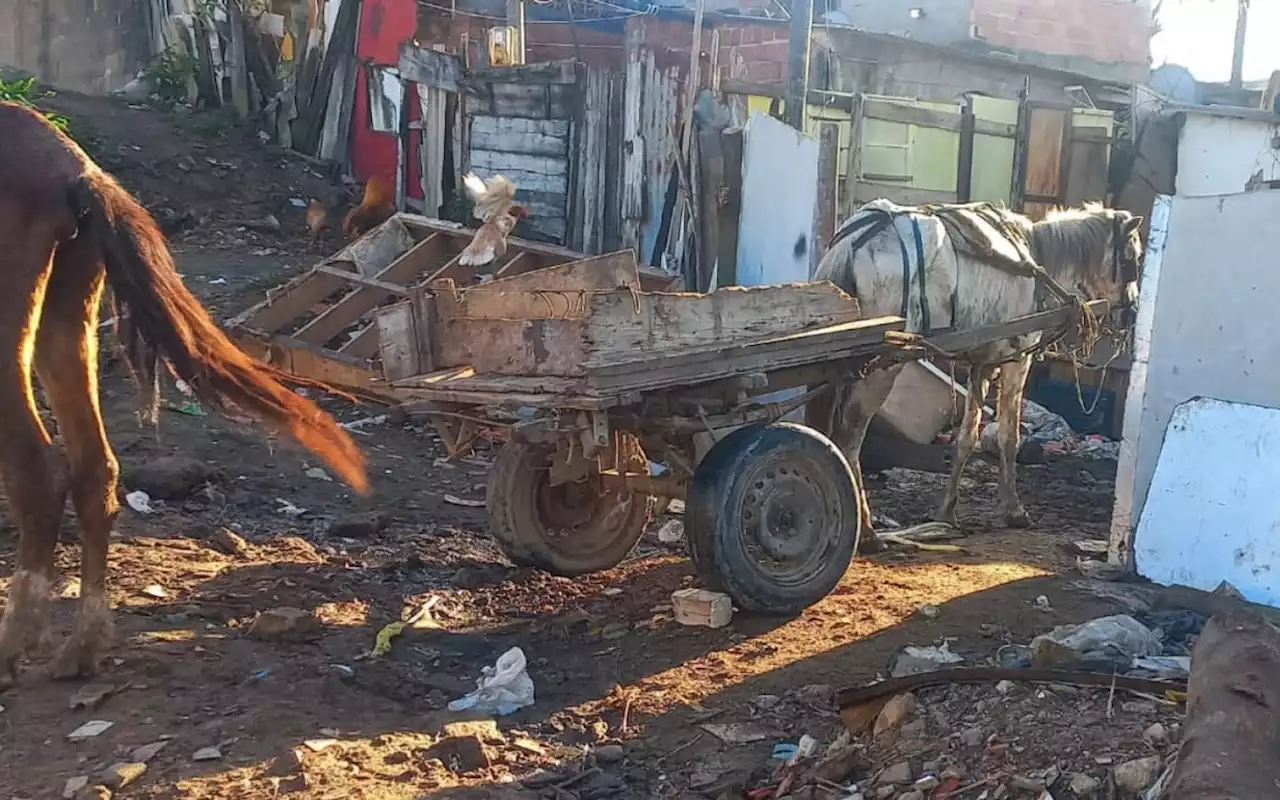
[
  {"x": 75, "y": 661},
  {"x": 869, "y": 544}
]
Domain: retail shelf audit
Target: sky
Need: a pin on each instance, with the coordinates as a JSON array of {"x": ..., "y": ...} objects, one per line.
[{"x": 1199, "y": 34}]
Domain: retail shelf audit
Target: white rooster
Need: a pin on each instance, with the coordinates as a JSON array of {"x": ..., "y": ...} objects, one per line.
[{"x": 494, "y": 207}]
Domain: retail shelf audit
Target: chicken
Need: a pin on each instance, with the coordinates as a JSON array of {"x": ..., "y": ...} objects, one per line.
[
  {"x": 493, "y": 207},
  {"x": 317, "y": 219},
  {"x": 376, "y": 208}
]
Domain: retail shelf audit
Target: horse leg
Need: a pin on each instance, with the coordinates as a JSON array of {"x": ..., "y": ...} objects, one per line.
[
  {"x": 1011, "y": 385},
  {"x": 25, "y": 451},
  {"x": 966, "y": 440},
  {"x": 853, "y": 417},
  {"x": 67, "y": 364}
]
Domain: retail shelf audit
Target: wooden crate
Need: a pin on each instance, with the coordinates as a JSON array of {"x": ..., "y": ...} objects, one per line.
[{"x": 331, "y": 323}]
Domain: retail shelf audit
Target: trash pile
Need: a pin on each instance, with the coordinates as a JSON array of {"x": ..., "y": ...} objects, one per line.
[{"x": 1054, "y": 435}]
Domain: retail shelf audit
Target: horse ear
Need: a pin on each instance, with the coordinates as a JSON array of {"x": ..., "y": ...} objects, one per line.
[{"x": 1132, "y": 224}]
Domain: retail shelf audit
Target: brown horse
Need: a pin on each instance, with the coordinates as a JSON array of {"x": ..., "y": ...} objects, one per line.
[{"x": 64, "y": 226}]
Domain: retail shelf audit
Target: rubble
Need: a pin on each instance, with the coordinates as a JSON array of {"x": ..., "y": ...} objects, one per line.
[
  {"x": 1136, "y": 775},
  {"x": 284, "y": 623},
  {"x": 701, "y": 607}
]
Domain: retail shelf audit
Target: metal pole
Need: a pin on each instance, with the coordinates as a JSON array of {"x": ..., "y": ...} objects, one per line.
[
  {"x": 515, "y": 21},
  {"x": 798, "y": 62}
]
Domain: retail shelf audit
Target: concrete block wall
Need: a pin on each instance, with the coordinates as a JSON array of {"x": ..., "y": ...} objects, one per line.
[{"x": 1108, "y": 31}]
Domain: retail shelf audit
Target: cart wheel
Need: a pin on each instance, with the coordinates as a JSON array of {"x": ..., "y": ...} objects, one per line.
[
  {"x": 568, "y": 530},
  {"x": 772, "y": 517}
]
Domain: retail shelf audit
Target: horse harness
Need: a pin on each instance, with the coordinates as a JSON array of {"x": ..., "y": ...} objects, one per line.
[{"x": 961, "y": 232}]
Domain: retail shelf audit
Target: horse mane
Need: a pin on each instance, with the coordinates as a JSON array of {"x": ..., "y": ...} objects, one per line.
[{"x": 1073, "y": 237}]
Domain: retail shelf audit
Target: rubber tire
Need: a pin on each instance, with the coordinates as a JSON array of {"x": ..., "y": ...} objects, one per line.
[
  {"x": 714, "y": 522},
  {"x": 512, "y": 504}
]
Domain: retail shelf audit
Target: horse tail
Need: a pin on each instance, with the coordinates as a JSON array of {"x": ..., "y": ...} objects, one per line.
[{"x": 159, "y": 319}]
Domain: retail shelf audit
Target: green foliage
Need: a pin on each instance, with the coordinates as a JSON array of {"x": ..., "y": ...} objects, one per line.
[
  {"x": 169, "y": 75},
  {"x": 25, "y": 92}
]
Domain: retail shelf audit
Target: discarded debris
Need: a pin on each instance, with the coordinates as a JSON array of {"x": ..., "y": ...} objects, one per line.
[
  {"x": 358, "y": 425},
  {"x": 318, "y": 473},
  {"x": 502, "y": 689},
  {"x": 139, "y": 501},
  {"x": 671, "y": 532},
  {"x": 74, "y": 785},
  {"x": 1115, "y": 640},
  {"x": 207, "y": 754},
  {"x": 895, "y": 713},
  {"x": 915, "y": 660},
  {"x": 284, "y": 623},
  {"x": 419, "y": 619},
  {"x": 91, "y": 696},
  {"x": 462, "y": 501},
  {"x": 736, "y": 732},
  {"x": 155, "y": 590},
  {"x": 289, "y": 509},
  {"x": 318, "y": 745},
  {"x": 119, "y": 775},
  {"x": 1135, "y": 776},
  {"x": 228, "y": 542},
  {"x": 147, "y": 752},
  {"x": 702, "y": 607},
  {"x": 92, "y": 728}
]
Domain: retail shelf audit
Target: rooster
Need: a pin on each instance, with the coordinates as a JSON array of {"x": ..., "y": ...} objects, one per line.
[
  {"x": 376, "y": 208},
  {"x": 493, "y": 207},
  {"x": 317, "y": 220}
]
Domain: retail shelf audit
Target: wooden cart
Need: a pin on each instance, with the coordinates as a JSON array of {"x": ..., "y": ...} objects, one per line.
[{"x": 609, "y": 397}]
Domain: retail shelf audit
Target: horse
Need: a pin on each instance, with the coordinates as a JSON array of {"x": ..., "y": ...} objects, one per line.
[
  {"x": 68, "y": 228},
  {"x": 961, "y": 267}
]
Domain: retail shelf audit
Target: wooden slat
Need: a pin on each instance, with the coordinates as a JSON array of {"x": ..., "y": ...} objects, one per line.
[
  {"x": 847, "y": 341},
  {"x": 360, "y": 280},
  {"x": 534, "y": 137},
  {"x": 431, "y": 68},
  {"x": 930, "y": 118},
  {"x": 511, "y": 262},
  {"x": 308, "y": 361},
  {"x": 365, "y": 343},
  {"x": 562, "y": 70},
  {"x": 341, "y": 314},
  {"x": 608, "y": 271},
  {"x": 397, "y": 341},
  {"x": 962, "y": 341},
  {"x": 864, "y": 191}
]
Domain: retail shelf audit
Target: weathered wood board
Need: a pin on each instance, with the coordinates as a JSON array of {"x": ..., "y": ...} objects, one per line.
[{"x": 583, "y": 330}]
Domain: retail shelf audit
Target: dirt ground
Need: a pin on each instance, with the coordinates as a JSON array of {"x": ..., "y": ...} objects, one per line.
[{"x": 311, "y": 717}]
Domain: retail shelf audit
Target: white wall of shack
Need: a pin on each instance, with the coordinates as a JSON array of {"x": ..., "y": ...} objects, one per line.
[
  {"x": 1205, "y": 328},
  {"x": 1219, "y": 155},
  {"x": 1212, "y": 508}
]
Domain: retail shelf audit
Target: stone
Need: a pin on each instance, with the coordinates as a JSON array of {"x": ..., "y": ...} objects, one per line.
[
  {"x": 915, "y": 729},
  {"x": 92, "y": 728},
  {"x": 91, "y": 696},
  {"x": 73, "y": 786},
  {"x": 461, "y": 754},
  {"x": 168, "y": 477},
  {"x": 228, "y": 542},
  {"x": 609, "y": 753},
  {"x": 895, "y": 713},
  {"x": 896, "y": 774},
  {"x": 117, "y": 776},
  {"x": 1156, "y": 735},
  {"x": 702, "y": 607},
  {"x": 927, "y": 784},
  {"x": 1135, "y": 776},
  {"x": 285, "y": 764},
  {"x": 207, "y": 754},
  {"x": 1083, "y": 786},
  {"x": 1006, "y": 687},
  {"x": 486, "y": 730},
  {"x": 359, "y": 526},
  {"x": 915, "y": 660},
  {"x": 284, "y": 623},
  {"x": 972, "y": 737},
  {"x": 147, "y": 752}
]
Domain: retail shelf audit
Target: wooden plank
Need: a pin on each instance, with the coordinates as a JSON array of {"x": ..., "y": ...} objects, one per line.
[
  {"x": 532, "y": 137},
  {"x": 431, "y": 103},
  {"x": 1047, "y": 140},
  {"x": 402, "y": 146},
  {"x": 355, "y": 278},
  {"x": 852, "y": 340},
  {"x": 586, "y": 222},
  {"x": 294, "y": 299},
  {"x": 343, "y": 313},
  {"x": 963, "y": 341},
  {"x": 397, "y": 341},
  {"x": 523, "y": 100},
  {"x": 890, "y": 111},
  {"x": 308, "y": 361},
  {"x": 562, "y": 70},
  {"x": 530, "y": 174},
  {"x": 1087, "y": 171},
  {"x": 730, "y": 208},
  {"x": 371, "y": 253},
  {"x": 710, "y": 155},
  {"x": 511, "y": 263},
  {"x": 608, "y": 271},
  {"x": 431, "y": 68},
  {"x": 828, "y": 178},
  {"x": 864, "y": 191},
  {"x": 964, "y": 161}
]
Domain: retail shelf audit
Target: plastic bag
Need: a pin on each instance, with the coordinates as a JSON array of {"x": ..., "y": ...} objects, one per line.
[
  {"x": 1112, "y": 641},
  {"x": 502, "y": 689}
]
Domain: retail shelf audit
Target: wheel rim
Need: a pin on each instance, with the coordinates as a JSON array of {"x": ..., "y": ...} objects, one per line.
[
  {"x": 580, "y": 518},
  {"x": 789, "y": 528}
]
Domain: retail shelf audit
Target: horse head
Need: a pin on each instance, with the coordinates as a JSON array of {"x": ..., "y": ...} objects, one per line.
[{"x": 1094, "y": 251}]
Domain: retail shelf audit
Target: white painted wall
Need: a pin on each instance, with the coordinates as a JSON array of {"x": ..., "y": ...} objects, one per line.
[
  {"x": 779, "y": 203},
  {"x": 1213, "y": 512},
  {"x": 1207, "y": 327},
  {"x": 1218, "y": 155}
]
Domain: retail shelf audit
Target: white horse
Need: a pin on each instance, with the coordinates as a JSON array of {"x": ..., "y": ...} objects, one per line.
[{"x": 961, "y": 267}]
